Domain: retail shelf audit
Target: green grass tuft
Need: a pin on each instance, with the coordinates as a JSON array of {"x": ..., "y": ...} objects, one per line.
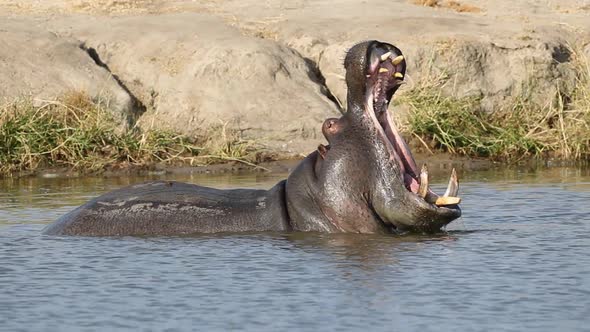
[
  {"x": 77, "y": 133},
  {"x": 457, "y": 125}
]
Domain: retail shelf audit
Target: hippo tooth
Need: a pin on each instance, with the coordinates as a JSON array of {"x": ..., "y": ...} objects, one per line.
[
  {"x": 385, "y": 56},
  {"x": 397, "y": 60},
  {"x": 398, "y": 75},
  {"x": 445, "y": 200},
  {"x": 453, "y": 187},
  {"x": 423, "y": 188},
  {"x": 383, "y": 70}
]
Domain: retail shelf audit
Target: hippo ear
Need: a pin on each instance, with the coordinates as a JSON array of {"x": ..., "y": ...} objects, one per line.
[{"x": 323, "y": 150}]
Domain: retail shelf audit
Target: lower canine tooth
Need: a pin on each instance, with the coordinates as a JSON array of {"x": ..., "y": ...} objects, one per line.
[
  {"x": 445, "y": 200},
  {"x": 397, "y": 60},
  {"x": 453, "y": 187},
  {"x": 398, "y": 75},
  {"x": 383, "y": 70},
  {"x": 423, "y": 188}
]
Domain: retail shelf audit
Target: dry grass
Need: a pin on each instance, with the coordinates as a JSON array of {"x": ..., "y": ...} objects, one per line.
[
  {"x": 265, "y": 28},
  {"x": 78, "y": 133},
  {"x": 462, "y": 8},
  {"x": 449, "y": 4},
  {"x": 427, "y": 3},
  {"x": 560, "y": 129},
  {"x": 114, "y": 6}
]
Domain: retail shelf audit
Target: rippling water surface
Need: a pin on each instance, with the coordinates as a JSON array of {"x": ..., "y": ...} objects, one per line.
[{"x": 518, "y": 259}]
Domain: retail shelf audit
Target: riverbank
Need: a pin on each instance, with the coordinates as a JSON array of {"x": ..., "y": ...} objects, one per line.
[
  {"x": 245, "y": 82},
  {"x": 516, "y": 260},
  {"x": 74, "y": 135},
  {"x": 558, "y": 128}
]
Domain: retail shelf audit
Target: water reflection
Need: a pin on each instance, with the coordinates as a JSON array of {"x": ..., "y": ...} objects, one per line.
[
  {"x": 365, "y": 250},
  {"x": 54, "y": 192},
  {"x": 517, "y": 260}
]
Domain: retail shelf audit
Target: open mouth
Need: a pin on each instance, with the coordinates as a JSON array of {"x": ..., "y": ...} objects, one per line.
[{"x": 385, "y": 73}]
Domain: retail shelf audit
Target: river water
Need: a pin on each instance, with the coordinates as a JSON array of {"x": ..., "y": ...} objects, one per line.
[{"x": 518, "y": 259}]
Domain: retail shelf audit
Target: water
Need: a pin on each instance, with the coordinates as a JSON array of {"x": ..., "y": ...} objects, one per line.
[{"x": 519, "y": 259}]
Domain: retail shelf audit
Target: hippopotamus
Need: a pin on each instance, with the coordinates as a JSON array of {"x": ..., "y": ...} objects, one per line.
[{"x": 365, "y": 180}]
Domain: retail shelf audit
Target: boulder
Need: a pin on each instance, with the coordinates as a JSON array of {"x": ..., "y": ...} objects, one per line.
[
  {"x": 272, "y": 70},
  {"x": 498, "y": 71},
  {"x": 497, "y": 51},
  {"x": 194, "y": 73},
  {"x": 41, "y": 65}
]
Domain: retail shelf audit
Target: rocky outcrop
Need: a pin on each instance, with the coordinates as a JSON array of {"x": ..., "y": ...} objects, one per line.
[
  {"x": 498, "y": 67},
  {"x": 41, "y": 65},
  {"x": 193, "y": 73},
  {"x": 273, "y": 70},
  {"x": 495, "y": 72}
]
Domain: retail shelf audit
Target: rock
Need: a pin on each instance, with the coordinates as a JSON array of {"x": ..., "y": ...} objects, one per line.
[
  {"x": 498, "y": 74},
  {"x": 194, "y": 73},
  {"x": 497, "y": 51},
  {"x": 36, "y": 63},
  {"x": 497, "y": 71},
  {"x": 268, "y": 69}
]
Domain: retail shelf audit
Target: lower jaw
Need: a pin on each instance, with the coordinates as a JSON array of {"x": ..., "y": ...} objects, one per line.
[{"x": 400, "y": 153}]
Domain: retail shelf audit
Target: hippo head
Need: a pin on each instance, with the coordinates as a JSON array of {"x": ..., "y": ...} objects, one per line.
[{"x": 366, "y": 179}]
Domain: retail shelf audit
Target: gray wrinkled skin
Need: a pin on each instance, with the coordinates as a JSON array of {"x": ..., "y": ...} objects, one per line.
[
  {"x": 357, "y": 187},
  {"x": 174, "y": 208},
  {"x": 354, "y": 186}
]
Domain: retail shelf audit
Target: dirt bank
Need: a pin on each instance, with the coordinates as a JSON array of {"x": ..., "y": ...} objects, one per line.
[{"x": 272, "y": 70}]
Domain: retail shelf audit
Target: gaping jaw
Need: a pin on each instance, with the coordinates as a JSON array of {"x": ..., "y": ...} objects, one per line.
[{"x": 384, "y": 73}]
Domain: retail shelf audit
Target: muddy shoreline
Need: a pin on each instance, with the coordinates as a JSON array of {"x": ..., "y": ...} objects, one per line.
[
  {"x": 286, "y": 73},
  {"x": 286, "y": 77},
  {"x": 438, "y": 163}
]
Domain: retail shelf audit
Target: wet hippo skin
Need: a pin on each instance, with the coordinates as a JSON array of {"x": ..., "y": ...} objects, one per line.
[{"x": 364, "y": 181}]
